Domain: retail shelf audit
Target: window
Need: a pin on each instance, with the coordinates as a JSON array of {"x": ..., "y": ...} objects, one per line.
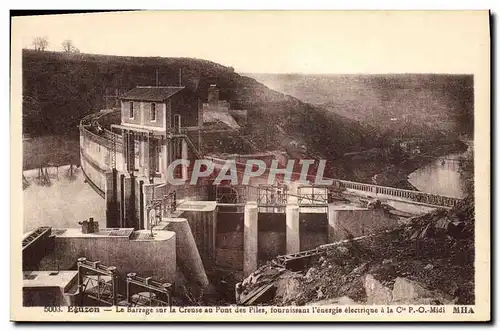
[
  {"x": 131, "y": 113},
  {"x": 152, "y": 114}
]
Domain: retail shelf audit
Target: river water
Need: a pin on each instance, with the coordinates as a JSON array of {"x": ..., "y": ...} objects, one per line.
[
  {"x": 63, "y": 203},
  {"x": 441, "y": 176}
]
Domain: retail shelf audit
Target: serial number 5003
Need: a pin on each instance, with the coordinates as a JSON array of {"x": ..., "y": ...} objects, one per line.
[{"x": 52, "y": 309}]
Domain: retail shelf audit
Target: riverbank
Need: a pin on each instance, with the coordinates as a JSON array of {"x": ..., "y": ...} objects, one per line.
[
  {"x": 377, "y": 166},
  {"x": 51, "y": 151}
]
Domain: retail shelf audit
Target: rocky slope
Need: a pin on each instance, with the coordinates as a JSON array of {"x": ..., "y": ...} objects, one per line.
[{"x": 427, "y": 260}]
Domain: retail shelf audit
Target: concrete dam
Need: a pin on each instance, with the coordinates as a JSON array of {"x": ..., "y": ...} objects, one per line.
[
  {"x": 231, "y": 229},
  {"x": 162, "y": 237}
]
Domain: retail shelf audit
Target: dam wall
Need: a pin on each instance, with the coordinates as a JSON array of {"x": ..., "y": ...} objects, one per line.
[
  {"x": 96, "y": 153},
  {"x": 351, "y": 221}
]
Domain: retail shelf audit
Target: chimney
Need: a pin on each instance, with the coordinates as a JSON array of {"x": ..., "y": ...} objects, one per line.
[
  {"x": 195, "y": 82},
  {"x": 213, "y": 95}
]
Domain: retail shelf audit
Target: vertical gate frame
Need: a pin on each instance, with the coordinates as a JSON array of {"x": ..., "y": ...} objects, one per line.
[{"x": 85, "y": 268}]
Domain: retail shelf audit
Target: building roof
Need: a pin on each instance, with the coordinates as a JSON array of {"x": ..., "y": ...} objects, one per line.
[{"x": 152, "y": 93}]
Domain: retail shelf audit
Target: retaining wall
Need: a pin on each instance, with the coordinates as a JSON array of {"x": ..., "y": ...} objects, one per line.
[
  {"x": 156, "y": 258},
  {"x": 346, "y": 221}
]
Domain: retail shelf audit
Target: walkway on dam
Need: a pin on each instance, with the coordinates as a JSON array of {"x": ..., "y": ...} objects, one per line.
[{"x": 366, "y": 190}]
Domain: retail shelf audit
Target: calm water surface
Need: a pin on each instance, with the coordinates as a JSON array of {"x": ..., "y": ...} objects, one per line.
[
  {"x": 63, "y": 203},
  {"x": 438, "y": 178}
]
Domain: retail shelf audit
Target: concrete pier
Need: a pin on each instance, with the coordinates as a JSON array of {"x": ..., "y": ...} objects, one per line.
[
  {"x": 184, "y": 155},
  {"x": 121, "y": 194},
  {"x": 130, "y": 216},
  {"x": 250, "y": 241},
  {"x": 139, "y": 202},
  {"x": 293, "y": 188},
  {"x": 111, "y": 195},
  {"x": 164, "y": 160},
  {"x": 332, "y": 222},
  {"x": 292, "y": 229},
  {"x": 147, "y": 192},
  {"x": 188, "y": 256}
]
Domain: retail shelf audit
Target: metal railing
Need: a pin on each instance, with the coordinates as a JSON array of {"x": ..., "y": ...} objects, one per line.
[
  {"x": 231, "y": 194},
  {"x": 196, "y": 192},
  {"x": 169, "y": 204},
  {"x": 272, "y": 195},
  {"x": 97, "y": 282},
  {"x": 313, "y": 195},
  {"x": 416, "y": 196},
  {"x": 148, "y": 292},
  {"x": 40, "y": 232},
  {"x": 105, "y": 138}
]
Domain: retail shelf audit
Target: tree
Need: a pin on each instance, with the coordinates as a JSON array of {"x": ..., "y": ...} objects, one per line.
[
  {"x": 40, "y": 43},
  {"x": 32, "y": 114},
  {"x": 68, "y": 47},
  {"x": 466, "y": 170}
]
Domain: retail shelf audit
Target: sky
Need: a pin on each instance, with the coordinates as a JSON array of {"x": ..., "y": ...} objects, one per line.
[{"x": 278, "y": 41}]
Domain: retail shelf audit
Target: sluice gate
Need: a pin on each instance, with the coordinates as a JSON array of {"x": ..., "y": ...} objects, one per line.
[{"x": 100, "y": 285}]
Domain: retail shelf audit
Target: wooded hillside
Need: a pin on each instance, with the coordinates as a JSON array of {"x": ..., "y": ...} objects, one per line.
[{"x": 60, "y": 88}]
